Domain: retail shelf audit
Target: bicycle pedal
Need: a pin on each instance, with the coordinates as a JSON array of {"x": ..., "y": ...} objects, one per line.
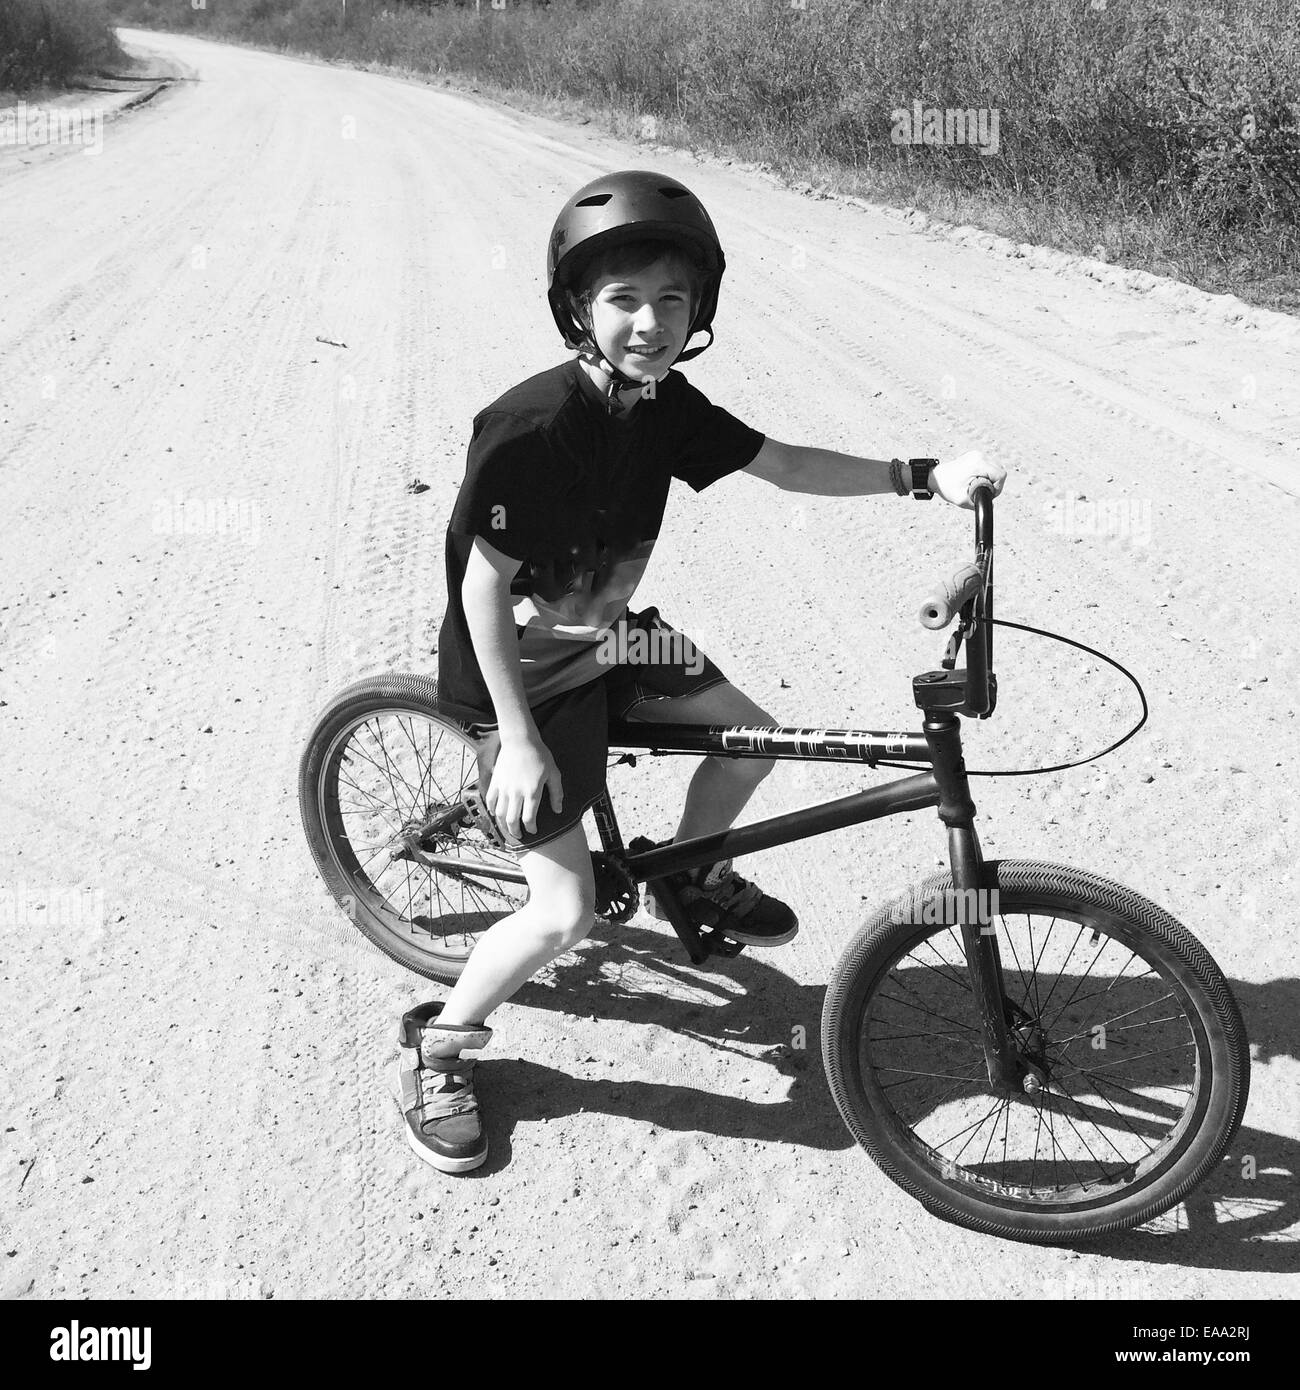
[
  {"x": 718, "y": 945},
  {"x": 482, "y": 819}
]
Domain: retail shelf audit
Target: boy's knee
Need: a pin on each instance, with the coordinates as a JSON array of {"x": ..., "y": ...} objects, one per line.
[
  {"x": 562, "y": 892},
  {"x": 564, "y": 920},
  {"x": 750, "y": 771},
  {"x": 575, "y": 934},
  {"x": 569, "y": 927}
]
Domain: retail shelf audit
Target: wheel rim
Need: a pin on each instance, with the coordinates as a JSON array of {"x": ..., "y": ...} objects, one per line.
[
  {"x": 1117, "y": 1049},
  {"x": 383, "y": 773}
]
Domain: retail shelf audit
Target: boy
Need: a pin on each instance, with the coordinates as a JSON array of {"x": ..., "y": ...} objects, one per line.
[{"x": 564, "y": 492}]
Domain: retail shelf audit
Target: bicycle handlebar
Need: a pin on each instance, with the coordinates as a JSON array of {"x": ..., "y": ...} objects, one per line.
[
  {"x": 969, "y": 592},
  {"x": 941, "y": 607}
]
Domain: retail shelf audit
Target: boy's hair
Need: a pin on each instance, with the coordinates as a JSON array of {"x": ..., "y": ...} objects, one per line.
[{"x": 631, "y": 257}]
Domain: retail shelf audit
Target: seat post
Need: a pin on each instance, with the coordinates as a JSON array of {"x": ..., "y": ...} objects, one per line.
[{"x": 607, "y": 824}]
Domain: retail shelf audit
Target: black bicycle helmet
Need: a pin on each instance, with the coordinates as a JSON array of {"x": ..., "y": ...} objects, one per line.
[{"x": 631, "y": 205}]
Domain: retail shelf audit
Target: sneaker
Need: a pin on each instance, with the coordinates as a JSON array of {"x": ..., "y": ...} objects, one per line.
[
  {"x": 716, "y": 896},
  {"x": 435, "y": 1090}
]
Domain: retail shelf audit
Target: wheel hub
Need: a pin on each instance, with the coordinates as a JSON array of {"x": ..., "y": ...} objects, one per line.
[{"x": 1030, "y": 1043}]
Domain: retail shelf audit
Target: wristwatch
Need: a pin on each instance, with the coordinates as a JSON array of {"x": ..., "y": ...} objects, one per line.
[{"x": 921, "y": 478}]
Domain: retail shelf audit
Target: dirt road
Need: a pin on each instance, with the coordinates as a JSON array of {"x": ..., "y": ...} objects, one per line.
[{"x": 228, "y": 341}]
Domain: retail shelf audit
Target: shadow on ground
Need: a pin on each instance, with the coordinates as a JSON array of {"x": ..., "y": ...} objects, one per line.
[{"x": 1237, "y": 1219}]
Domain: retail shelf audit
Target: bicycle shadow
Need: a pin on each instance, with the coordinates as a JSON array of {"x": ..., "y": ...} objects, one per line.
[
  {"x": 741, "y": 1006},
  {"x": 745, "y": 1006}
]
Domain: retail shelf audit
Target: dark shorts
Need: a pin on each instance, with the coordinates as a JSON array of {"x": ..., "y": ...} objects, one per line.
[{"x": 574, "y": 725}]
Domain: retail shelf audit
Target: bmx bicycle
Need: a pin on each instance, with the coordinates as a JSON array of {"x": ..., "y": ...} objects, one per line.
[{"x": 1028, "y": 1049}]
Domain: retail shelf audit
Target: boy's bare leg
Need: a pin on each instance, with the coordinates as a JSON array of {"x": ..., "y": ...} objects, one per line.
[
  {"x": 721, "y": 787},
  {"x": 559, "y": 913}
]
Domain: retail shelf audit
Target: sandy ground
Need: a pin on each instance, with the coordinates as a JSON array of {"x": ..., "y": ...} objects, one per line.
[{"x": 197, "y": 1051}]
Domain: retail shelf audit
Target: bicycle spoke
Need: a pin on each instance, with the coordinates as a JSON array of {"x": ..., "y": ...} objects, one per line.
[
  {"x": 952, "y": 979},
  {"x": 907, "y": 1037},
  {"x": 907, "y": 1071},
  {"x": 1010, "y": 940},
  {"x": 975, "y": 1125},
  {"x": 385, "y": 768},
  {"x": 1114, "y": 1018},
  {"x": 921, "y": 1009},
  {"x": 1065, "y": 1116},
  {"x": 1060, "y": 974},
  {"x": 1154, "y": 1052}
]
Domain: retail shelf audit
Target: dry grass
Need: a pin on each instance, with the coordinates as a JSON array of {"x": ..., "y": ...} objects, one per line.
[{"x": 1166, "y": 132}]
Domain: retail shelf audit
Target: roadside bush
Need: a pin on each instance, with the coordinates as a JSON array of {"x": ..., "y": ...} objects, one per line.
[
  {"x": 44, "y": 42},
  {"x": 1185, "y": 113}
]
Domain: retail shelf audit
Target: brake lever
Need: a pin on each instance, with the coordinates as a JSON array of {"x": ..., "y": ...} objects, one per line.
[{"x": 953, "y": 647}]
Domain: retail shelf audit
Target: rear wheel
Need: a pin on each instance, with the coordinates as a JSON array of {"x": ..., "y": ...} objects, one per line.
[
  {"x": 381, "y": 788},
  {"x": 1134, "y": 1052}
]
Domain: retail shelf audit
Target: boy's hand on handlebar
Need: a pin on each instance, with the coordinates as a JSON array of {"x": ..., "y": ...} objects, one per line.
[
  {"x": 955, "y": 479},
  {"x": 524, "y": 771}
]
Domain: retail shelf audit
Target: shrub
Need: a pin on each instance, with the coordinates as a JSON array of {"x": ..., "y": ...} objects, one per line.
[{"x": 44, "y": 42}]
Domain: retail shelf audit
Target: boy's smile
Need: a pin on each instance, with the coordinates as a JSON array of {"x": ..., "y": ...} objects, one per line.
[{"x": 640, "y": 321}]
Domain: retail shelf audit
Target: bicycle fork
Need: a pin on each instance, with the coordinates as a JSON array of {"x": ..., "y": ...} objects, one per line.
[{"x": 1006, "y": 1071}]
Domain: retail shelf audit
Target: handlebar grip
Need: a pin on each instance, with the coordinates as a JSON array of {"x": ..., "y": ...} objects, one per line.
[{"x": 941, "y": 607}]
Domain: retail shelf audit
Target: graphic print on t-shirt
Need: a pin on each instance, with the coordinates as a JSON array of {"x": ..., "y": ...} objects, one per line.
[{"x": 577, "y": 604}]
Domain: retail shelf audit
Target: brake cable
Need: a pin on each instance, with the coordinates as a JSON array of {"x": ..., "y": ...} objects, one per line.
[{"x": 1054, "y": 767}]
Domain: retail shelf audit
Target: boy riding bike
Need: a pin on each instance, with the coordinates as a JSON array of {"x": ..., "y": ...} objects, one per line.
[{"x": 564, "y": 493}]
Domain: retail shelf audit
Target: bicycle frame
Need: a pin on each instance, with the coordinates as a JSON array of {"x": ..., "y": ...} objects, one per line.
[{"x": 784, "y": 744}]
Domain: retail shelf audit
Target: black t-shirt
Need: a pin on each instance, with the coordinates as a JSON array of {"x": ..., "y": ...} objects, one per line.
[{"x": 578, "y": 495}]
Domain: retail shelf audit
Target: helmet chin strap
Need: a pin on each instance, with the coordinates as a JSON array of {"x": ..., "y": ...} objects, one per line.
[{"x": 617, "y": 380}]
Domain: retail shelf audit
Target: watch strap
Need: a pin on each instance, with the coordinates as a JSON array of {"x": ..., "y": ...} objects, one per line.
[{"x": 920, "y": 470}]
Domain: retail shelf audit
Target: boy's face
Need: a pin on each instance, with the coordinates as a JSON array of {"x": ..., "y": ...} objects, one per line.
[{"x": 640, "y": 319}]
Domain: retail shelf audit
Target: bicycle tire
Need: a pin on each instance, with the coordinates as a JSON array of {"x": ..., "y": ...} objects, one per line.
[
  {"x": 436, "y": 943},
  {"x": 1140, "y": 1188}
]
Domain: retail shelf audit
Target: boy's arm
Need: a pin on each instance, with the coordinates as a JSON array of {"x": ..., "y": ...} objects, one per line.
[
  {"x": 524, "y": 770},
  {"x": 824, "y": 473},
  {"x": 489, "y": 615}
]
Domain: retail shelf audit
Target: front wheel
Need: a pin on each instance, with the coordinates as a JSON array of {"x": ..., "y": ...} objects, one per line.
[{"x": 1133, "y": 1048}]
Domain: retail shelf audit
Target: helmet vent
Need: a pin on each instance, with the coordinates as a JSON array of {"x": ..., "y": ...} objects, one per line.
[
  {"x": 595, "y": 201},
  {"x": 676, "y": 192}
]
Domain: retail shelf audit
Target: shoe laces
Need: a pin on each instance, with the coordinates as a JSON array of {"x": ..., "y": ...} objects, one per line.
[
  {"x": 448, "y": 1091},
  {"x": 723, "y": 885}
]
